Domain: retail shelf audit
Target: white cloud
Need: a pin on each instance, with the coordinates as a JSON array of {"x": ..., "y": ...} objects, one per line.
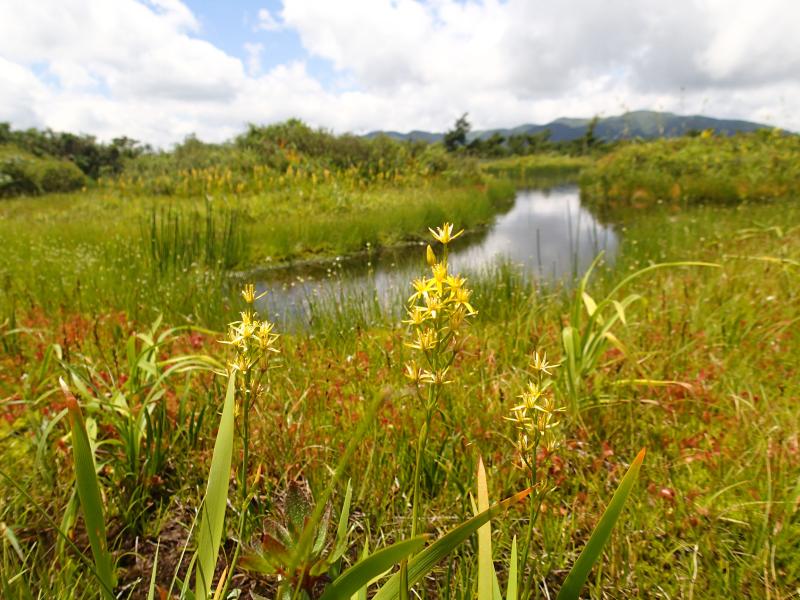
[
  {"x": 253, "y": 51},
  {"x": 266, "y": 22},
  {"x": 141, "y": 68}
]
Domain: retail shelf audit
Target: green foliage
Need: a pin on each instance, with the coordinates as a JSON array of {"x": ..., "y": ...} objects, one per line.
[
  {"x": 212, "y": 510},
  {"x": 89, "y": 493},
  {"x": 538, "y": 170},
  {"x": 364, "y": 572},
  {"x": 177, "y": 240},
  {"x": 93, "y": 158},
  {"x": 24, "y": 173},
  {"x": 585, "y": 339},
  {"x": 704, "y": 169},
  {"x": 456, "y": 137},
  {"x": 426, "y": 560},
  {"x": 275, "y": 553},
  {"x": 488, "y": 587},
  {"x": 571, "y": 588}
]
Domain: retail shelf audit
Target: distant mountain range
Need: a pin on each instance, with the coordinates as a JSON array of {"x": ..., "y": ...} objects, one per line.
[{"x": 638, "y": 124}]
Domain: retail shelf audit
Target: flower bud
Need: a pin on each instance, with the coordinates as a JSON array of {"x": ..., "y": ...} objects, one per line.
[{"x": 431, "y": 257}]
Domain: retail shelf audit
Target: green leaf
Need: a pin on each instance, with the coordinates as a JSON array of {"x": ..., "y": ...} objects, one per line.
[
  {"x": 620, "y": 311},
  {"x": 594, "y": 547},
  {"x": 511, "y": 591},
  {"x": 216, "y": 498},
  {"x": 591, "y": 306},
  {"x": 89, "y": 494},
  {"x": 361, "y": 573},
  {"x": 485, "y": 565},
  {"x": 298, "y": 507},
  {"x": 340, "y": 546},
  {"x": 423, "y": 562},
  {"x": 151, "y": 591}
]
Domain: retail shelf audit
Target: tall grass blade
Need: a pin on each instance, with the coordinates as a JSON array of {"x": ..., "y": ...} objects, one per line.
[
  {"x": 216, "y": 498},
  {"x": 511, "y": 590},
  {"x": 594, "y": 547},
  {"x": 151, "y": 591},
  {"x": 360, "y": 574},
  {"x": 89, "y": 494},
  {"x": 423, "y": 562},
  {"x": 485, "y": 565}
]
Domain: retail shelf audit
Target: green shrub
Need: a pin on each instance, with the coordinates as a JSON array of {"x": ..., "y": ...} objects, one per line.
[{"x": 23, "y": 173}]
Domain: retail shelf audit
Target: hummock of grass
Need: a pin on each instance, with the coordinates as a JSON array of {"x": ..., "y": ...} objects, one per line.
[{"x": 704, "y": 169}]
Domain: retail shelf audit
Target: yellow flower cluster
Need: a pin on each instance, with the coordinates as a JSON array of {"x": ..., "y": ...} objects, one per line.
[
  {"x": 438, "y": 310},
  {"x": 536, "y": 416},
  {"x": 252, "y": 338}
]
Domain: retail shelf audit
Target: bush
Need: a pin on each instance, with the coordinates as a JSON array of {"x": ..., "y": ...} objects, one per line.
[{"x": 23, "y": 173}]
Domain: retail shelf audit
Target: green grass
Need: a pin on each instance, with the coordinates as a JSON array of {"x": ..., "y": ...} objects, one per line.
[
  {"x": 701, "y": 170},
  {"x": 539, "y": 170},
  {"x": 96, "y": 252},
  {"x": 709, "y": 384}
]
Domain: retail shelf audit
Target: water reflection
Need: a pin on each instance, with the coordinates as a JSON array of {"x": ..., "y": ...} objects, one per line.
[{"x": 548, "y": 234}]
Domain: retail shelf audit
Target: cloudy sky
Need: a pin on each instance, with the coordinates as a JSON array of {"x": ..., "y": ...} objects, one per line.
[{"x": 157, "y": 70}]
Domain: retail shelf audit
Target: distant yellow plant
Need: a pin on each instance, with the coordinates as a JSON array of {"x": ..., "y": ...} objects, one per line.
[
  {"x": 438, "y": 309},
  {"x": 252, "y": 338},
  {"x": 536, "y": 416}
]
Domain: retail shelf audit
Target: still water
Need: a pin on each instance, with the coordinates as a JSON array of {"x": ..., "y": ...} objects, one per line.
[{"x": 546, "y": 233}]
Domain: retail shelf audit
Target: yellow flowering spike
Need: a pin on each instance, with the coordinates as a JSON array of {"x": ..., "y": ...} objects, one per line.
[{"x": 444, "y": 234}]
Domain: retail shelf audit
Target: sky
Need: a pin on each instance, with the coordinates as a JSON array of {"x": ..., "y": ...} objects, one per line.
[{"x": 159, "y": 70}]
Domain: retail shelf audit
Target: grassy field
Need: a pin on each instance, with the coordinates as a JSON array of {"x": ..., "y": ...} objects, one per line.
[{"x": 702, "y": 371}]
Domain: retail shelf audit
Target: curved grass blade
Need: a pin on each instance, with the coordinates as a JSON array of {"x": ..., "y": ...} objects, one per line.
[
  {"x": 361, "y": 573},
  {"x": 594, "y": 547},
  {"x": 216, "y": 498},
  {"x": 423, "y": 562}
]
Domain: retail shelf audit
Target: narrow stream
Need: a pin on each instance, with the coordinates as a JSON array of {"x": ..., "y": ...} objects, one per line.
[{"x": 546, "y": 233}]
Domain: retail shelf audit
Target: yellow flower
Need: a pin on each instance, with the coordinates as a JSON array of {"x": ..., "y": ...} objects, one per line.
[
  {"x": 461, "y": 298},
  {"x": 416, "y": 315},
  {"x": 444, "y": 234},
  {"x": 440, "y": 377},
  {"x": 426, "y": 340},
  {"x": 455, "y": 282},
  {"x": 422, "y": 287},
  {"x": 249, "y": 293},
  {"x": 413, "y": 372},
  {"x": 266, "y": 338},
  {"x": 240, "y": 363},
  {"x": 433, "y": 304},
  {"x": 439, "y": 271},
  {"x": 539, "y": 363}
]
